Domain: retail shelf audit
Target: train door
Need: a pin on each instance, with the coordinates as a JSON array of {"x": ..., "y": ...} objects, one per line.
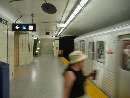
[
  {"x": 90, "y": 52},
  {"x": 82, "y": 44},
  {"x": 99, "y": 61},
  {"x": 124, "y": 70}
]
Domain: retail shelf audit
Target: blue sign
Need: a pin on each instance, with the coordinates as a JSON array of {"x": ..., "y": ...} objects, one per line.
[{"x": 23, "y": 27}]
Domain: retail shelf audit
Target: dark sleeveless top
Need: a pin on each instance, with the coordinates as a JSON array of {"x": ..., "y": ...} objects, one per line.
[{"x": 78, "y": 86}]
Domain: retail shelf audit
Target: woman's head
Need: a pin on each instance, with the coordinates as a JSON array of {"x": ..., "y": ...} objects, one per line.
[{"x": 77, "y": 58}]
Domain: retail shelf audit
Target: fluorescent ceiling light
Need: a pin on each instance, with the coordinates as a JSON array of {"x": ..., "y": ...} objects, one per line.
[
  {"x": 34, "y": 37},
  {"x": 37, "y": 51},
  {"x": 61, "y": 25},
  {"x": 73, "y": 15},
  {"x": 38, "y": 48},
  {"x": 83, "y": 2},
  {"x": 77, "y": 10},
  {"x": 69, "y": 19},
  {"x": 61, "y": 31},
  {"x": 53, "y": 36}
]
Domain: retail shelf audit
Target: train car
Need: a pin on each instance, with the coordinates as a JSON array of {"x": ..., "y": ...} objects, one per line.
[{"x": 109, "y": 53}]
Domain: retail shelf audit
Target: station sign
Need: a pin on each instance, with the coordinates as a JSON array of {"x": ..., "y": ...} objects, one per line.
[{"x": 23, "y": 27}]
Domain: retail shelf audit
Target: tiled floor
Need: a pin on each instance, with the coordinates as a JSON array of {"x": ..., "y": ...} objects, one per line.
[{"x": 42, "y": 79}]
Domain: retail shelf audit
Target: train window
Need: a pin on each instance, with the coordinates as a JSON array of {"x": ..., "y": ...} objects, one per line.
[
  {"x": 82, "y": 46},
  {"x": 91, "y": 50},
  {"x": 100, "y": 51},
  {"x": 126, "y": 55}
]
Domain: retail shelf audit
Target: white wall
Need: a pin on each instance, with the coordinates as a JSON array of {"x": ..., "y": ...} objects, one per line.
[
  {"x": 47, "y": 46},
  {"x": 56, "y": 47},
  {"x": 11, "y": 53},
  {"x": 7, "y": 55},
  {"x": 3, "y": 42},
  {"x": 25, "y": 49}
]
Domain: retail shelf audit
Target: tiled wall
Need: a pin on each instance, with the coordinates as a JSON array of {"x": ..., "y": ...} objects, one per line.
[
  {"x": 7, "y": 54},
  {"x": 25, "y": 49},
  {"x": 3, "y": 42},
  {"x": 11, "y": 53},
  {"x": 47, "y": 46},
  {"x": 56, "y": 47}
]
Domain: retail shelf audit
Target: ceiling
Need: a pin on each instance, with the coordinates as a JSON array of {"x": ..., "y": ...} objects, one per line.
[
  {"x": 97, "y": 14},
  {"x": 45, "y": 22}
]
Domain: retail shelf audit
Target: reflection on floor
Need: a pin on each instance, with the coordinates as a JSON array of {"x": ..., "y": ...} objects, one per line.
[{"x": 42, "y": 79}]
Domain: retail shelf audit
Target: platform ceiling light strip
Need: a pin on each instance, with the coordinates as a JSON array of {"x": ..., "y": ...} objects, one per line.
[
  {"x": 83, "y": 2},
  {"x": 73, "y": 15},
  {"x": 61, "y": 30}
]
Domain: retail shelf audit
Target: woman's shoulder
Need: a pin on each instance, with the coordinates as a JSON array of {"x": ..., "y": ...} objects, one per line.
[
  {"x": 69, "y": 75},
  {"x": 68, "y": 70}
]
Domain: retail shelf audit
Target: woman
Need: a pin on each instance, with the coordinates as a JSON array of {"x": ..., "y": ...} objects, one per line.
[{"x": 73, "y": 76}]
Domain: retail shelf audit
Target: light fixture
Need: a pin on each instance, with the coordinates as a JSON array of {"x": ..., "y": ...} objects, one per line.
[
  {"x": 37, "y": 51},
  {"x": 61, "y": 30},
  {"x": 73, "y": 15},
  {"x": 61, "y": 25},
  {"x": 77, "y": 10},
  {"x": 34, "y": 37},
  {"x": 38, "y": 48},
  {"x": 83, "y": 2},
  {"x": 55, "y": 32},
  {"x": 53, "y": 36}
]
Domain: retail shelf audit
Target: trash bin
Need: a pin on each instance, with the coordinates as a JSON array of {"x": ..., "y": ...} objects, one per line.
[{"x": 4, "y": 80}]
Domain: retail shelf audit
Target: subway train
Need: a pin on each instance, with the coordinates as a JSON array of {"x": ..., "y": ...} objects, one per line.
[{"x": 108, "y": 53}]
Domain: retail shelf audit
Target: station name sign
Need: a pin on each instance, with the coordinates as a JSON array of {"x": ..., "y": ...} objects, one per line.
[
  {"x": 3, "y": 21},
  {"x": 23, "y": 27}
]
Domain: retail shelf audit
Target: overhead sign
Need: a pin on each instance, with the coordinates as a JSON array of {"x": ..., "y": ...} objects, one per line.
[{"x": 23, "y": 27}]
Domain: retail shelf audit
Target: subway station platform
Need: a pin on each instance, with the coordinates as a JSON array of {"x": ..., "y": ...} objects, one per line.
[
  {"x": 41, "y": 79},
  {"x": 37, "y": 37}
]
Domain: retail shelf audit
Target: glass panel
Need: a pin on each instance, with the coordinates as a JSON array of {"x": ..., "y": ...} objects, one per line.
[
  {"x": 126, "y": 55},
  {"x": 100, "y": 53},
  {"x": 82, "y": 46},
  {"x": 91, "y": 50}
]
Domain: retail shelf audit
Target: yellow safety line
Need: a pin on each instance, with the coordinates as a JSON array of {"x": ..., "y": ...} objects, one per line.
[
  {"x": 64, "y": 60},
  {"x": 91, "y": 90}
]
